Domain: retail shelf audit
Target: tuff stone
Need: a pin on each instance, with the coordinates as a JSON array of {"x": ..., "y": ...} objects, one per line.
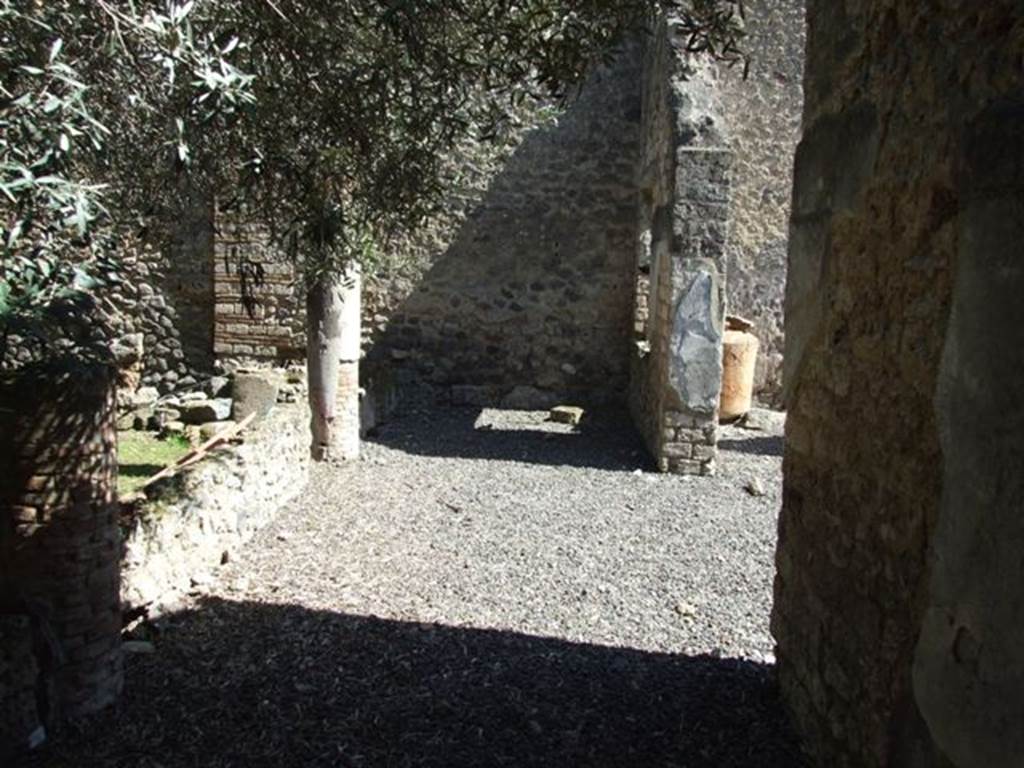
[
  {"x": 202, "y": 411},
  {"x": 254, "y": 392}
]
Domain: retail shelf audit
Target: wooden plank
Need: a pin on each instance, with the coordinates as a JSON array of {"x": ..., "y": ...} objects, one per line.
[{"x": 197, "y": 454}]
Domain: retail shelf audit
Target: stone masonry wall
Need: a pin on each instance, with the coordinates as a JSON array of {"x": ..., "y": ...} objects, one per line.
[
  {"x": 165, "y": 299},
  {"x": 533, "y": 286},
  {"x": 683, "y": 216},
  {"x": 764, "y": 127},
  {"x": 525, "y": 279},
  {"x": 903, "y": 335},
  {"x": 181, "y": 532}
]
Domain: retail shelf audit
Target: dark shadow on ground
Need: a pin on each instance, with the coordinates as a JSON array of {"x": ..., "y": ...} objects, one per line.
[
  {"x": 757, "y": 446},
  {"x": 605, "y": 440},
  {"x": 250, "y": 684}
]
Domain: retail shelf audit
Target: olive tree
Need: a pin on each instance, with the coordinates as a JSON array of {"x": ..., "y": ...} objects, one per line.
[
  {"x": 329, "y": 121},
  {"x": 77, "y": 81}
]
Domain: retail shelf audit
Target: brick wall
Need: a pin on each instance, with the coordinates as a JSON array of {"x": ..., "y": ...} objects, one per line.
[
  {"x": 60, "y": 546},
  {"x": 258, "y": 311}
]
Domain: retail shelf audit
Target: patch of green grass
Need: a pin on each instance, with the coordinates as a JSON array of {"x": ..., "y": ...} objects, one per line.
[{"x": 140, "y": 455}]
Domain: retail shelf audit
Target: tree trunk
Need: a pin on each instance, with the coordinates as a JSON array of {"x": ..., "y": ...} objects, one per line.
[{"x": 333, "y": 349}]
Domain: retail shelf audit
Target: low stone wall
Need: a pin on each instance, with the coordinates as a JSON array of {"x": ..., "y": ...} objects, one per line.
[{"x": 191, "y": 522}]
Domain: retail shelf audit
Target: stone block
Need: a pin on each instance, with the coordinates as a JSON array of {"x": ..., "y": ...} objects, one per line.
[
  {"x": 254, "y": 392},
  {"x": 567, "y": 414},
  {"x": 199, "y": 412}
]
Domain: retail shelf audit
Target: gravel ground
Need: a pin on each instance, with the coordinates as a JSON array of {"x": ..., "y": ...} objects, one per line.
[{"x": 482, "y": 589}]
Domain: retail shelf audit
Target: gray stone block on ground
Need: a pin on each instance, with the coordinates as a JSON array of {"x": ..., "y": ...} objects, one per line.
[
  {"x": 764, "y": 420},
  {"x": 203, "y": 411},
  {"x": 567, "y": 414}
]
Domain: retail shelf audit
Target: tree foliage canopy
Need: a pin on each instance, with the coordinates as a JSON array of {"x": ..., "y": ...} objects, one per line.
[{"x": 329, "y": 121}]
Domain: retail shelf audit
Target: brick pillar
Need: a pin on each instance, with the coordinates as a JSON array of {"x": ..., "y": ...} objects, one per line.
[{"x": 59, "y": 538}]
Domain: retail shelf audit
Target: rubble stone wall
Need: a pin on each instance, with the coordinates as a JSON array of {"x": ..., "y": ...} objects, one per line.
[
  {"x": 683, "y": 222},
  {"x": 763, "y": 110},
  {"x": 526, "y": 278},
  {"x": 534, "y": 285},
  {"x": 180, "y": 533}
]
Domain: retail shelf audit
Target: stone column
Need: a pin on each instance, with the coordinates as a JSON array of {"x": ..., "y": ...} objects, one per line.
[
  {"x": 347, "y": 413},
  {"x": 59, "y": 540}
]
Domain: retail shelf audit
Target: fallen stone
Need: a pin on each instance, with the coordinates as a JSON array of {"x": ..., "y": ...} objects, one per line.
[
  {"x": 174, "y": 428},
  {"x": 218, "y": 386},
  {"x": 567, "y": 414},
  {"x": 192, "y": 397},
  {"x": 685, "y": 610},
  {"x": 253, "y": 392},
  {"x": 203, "y": 411},
  {"x": 764, "y": 420},
  {"x": 161, "y": 417},
  {"x": 754, "y": 487},
  {"x": 528, "y": 399}
]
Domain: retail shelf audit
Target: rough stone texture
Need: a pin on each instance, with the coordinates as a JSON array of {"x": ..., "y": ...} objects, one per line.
[
  {"x": 59, "y": 536},
  {"x": 202, "y": 411},
  {"x": 676, "y": 372},
  {"x": 969, "y": 669},
  {"x": 254, "y": 392},
  {"x": 525, "y": 278},
  {"x": 187, "y": 523},
  {"x": 902, "y": 433},
  {"x": 534, "y": 285},
  {"x": 764, "y": 127},
  {"x": 166, "y": 294}
]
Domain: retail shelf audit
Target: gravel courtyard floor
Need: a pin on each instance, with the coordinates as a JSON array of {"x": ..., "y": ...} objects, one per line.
[{"x": 482, "y": 589}]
